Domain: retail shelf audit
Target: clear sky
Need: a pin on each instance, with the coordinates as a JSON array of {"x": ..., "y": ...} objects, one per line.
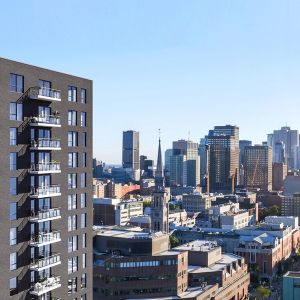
[{"x": 176, "y": 65}]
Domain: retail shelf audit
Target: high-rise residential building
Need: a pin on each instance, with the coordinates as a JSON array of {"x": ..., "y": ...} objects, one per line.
[
  {"x": 185, "y": 164},
  {"x": 223, "y": 158},
  {"x": 46, "y": 184},
  {"x": 258, "y": 167},
  {"x": 159, "y": 205},
  {"x": 290, "y": 139},
  {"x": 131, "y": 150}
]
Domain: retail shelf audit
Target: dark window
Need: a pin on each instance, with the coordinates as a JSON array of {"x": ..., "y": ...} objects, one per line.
[
  {"x": 16, "y": 83},
  {"x": 44, "y": 84}
]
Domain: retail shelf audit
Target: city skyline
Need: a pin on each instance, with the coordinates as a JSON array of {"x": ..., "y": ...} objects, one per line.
[{"x": 170, "y": 65}]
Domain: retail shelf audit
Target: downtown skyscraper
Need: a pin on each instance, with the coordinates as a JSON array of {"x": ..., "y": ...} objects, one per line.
[{"x": 46, "y": 184}]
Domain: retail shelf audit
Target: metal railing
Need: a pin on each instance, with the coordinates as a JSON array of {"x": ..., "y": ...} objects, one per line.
[
  {"x": 45, "y": 190},
  {"x": 53, "y": 120},
  {"x": 45, "y": 285},
  {"x": 36, "y": 91},
  {"x": 45, "y": 261},
  {"x": 45, "y": 237},
  {"x": 45, "y": 214},
  {"x": 45, "y": 167},
  {"x": 45, "y": 143}
]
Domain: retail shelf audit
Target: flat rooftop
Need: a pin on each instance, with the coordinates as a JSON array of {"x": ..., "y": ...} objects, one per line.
[
  {"x": 292, "y": 274},
  {"x": 198, "y": 245}
]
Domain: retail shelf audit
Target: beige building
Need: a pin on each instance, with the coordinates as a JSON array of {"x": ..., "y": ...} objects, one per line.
[
  {"x": 279, "y": 173},
  {"x": 195, "y": 203}
]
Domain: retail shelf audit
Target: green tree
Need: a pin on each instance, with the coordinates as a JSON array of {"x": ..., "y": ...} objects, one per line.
[
  {"x": 173, "y": 241},
  {"x": 263, "y": 292}
]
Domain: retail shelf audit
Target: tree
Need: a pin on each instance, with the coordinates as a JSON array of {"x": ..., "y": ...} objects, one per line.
[
  {"x": 263, "y": 292},
  {"x": 173, "y": 241}
]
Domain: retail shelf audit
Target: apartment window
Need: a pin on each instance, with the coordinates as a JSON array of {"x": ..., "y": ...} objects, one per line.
[
  {"x": 72, "y": 223},
  {"x": 72, "y": 181},
  {"x": 16, "y": 111},
  {"x": 83, "y": 220},
  {"x": 13, "y": 283},
  {"x": 72, "y": 264},
  {"x": 83, "y": 180},
  {"x": 83, "y": 297},
  {"x": 83, "y": 155},
  {"x": 83, "y": 119},
  {"x": 82, "y": 200},
  {"x": 13, "y": 186},
  {"x": 84, "y": 240},
  {"x": 83, "y": 139},
  {"x": 72, "y": 243},
  {"x": 12, "y": 211},
  {"x": 44, "y": 84},
  {"x": 83, "y": 260},
  {"x": 72, "y": 139},
  {"x": 13, "y": 261},
  {"x": 72, "y": 117},
  {"x": 16, "y": 83},
  {"x": 13, "y": 161},
  {"x": 72, "y": 93},
  {"x": 83, "y": 95},
  {"x": 72, "y": 159},
  {"x": 72, "y": 285},
  {"x": 83, "y": 280},
  {"x": 13, "y": 236},
  {"x": 12, "y": 136},
  {"x": 72, "y": 201}
]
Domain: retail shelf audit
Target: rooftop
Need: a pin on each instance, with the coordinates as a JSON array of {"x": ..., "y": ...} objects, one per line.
[
  {"x": 292, "y": 274},
  {"x": 198, "y": 245}
]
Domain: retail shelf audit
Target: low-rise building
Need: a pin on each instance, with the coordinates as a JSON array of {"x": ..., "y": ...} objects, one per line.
[
  {"x": 291, "y": 205},
  {"x": 194, "y": 203}
]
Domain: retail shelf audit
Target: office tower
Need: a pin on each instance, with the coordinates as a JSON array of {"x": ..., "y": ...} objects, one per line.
[
  {"x": 203, "y": 151},
  {"x": 131, "y": 150},
  {"x": 147, "y": 167},
  {"x": 258, "y": 167},
  {"x": 290, "y": 139},
  {"x": 224, "y": 158},
  {"x": 185, "y": 164},
  {"x": 297, "y": 157},
  {"x": 159, "y": 205},
  {"x": 279, "y": 155},
  {"x": 167, "y": 168},
  {"x": 242, "y": 145},
  {"x": 279, "y": 173},
  {"x": 46, "y": 184}
]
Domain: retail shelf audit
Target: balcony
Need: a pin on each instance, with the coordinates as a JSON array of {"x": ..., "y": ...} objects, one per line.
[
  {"x": 45, "y": 121},
  {"x": 45, "y": 286},
  {"x": 45, "y": 144},
  {"x": 46, "y": 262},
  {"x": 43, "y": 93},
  {"x": 45, "y": 215},
  {"x": 45, "y": 191},
  {"x": 45, "y": 168},
  {"x": 45, "y": 238}
]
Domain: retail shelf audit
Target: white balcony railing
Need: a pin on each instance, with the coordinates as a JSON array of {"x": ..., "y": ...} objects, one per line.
[
  {"x": 50, "y": 167},
  {"x": 45, "y": 238},
  {"x": 46, "y": 262},
  {"x": 45, "y": 286},
  {"x": 45, "y": 191},
  {"x": 45, "y": 215},
  {"x": 44, "y": 93},
  {"x": 45, "y": 143},
  {"x": 45, "y": 121}
]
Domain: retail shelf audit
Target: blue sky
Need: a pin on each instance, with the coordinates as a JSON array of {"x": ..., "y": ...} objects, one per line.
[{"x": 176, "y": 65}]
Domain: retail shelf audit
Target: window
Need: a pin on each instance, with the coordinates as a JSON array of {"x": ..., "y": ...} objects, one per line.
[
  {"x": 13, "y": 283},
  {"x": 83, "y": 260},
  {"x": 72, "y": 178},
  {"x": 13, "y": 261},
  {"x": 83, "y": 155},
  {"x": 83, "y": 95},
  {"x": 83, "y": 200},
  {"x": 16, "y": 83},
  {"x": 72, "y": 222},
  {"x": 72, "y": 139},
  {"x": 83, "y": 119},
  {"x": 12, "y": 136},
  {"x": 13, "y": 236},
  {"x": 72, "y": 93},
  {"x": 13, "y": 161},
  {"x": 72, "y": 264},
  {"x": 83, "y": 139},
  {"x": 84, "y": 240},
  {"x": 16, "y": 111},
  {"x": 72, "y": 202},
  {"x": 72, "y": 160},
  {"x": 83, "y": 281},
  {"x": 83, "y": 180},
  {"x": 72, "y": 117},
  {"x": 83, "y": 297},
  {"x": 72, "y": 243},
  {"x": 12, "y": 211},
  {"x": 83, "y": 220},
  {"x": 72, "y": 285},
  {"x": 13, "y": 186},
  {"x": 44, "y": 84}
]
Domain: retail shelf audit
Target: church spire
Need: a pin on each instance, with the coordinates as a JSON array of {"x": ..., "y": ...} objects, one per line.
[{"x": 159, "y": 177}]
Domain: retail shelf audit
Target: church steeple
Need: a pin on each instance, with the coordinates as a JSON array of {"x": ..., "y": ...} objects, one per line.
[{"x": 159, "y": 176}]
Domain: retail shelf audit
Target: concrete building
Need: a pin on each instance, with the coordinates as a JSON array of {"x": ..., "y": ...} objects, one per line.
[
  {"x": 242, "y": 145},
  {"x": 46, "y": 183},
  {"x": 258, "y": 167},
  {"x": 279, "y": 173},
  {"x": 108, "y": 211},
  {"x": 235, "y": 220},
  {"x": 195, "y": 203},
  {"x": 223, "y": 158},
  {"x": 291, "y": 184},
  {"x": 286, "y": 221},
  {"x": 291, "y": 285},
  {"x": 279, "y": 153},
  {"x": 204, "y": 151},
  {"x": 291, "y": 205},
  {"x": 131, "y": 150}
]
